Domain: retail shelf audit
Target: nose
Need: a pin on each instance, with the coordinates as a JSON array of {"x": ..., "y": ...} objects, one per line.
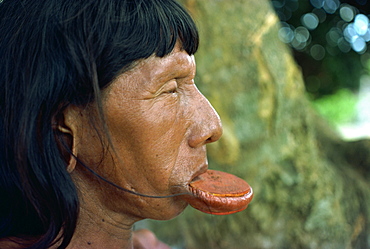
[{"x": 207, "y": 123}]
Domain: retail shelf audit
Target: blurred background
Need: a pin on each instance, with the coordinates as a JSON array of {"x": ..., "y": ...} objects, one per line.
[
  {"x": 290, "y": 80},
  {"x": 329, "y": 40}
]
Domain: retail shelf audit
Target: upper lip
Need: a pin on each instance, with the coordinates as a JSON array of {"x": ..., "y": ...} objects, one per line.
[{"x": 202, "y": 169}]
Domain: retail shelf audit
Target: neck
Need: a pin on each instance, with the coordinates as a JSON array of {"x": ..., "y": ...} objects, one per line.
[
  {"x": 100, "y": 227},
  {"x": 95, "y": 230}
]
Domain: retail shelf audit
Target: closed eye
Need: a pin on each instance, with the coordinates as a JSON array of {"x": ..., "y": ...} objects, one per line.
[
  {"x": 170, "y": 87},
  {"x": 172, "y": 91}
]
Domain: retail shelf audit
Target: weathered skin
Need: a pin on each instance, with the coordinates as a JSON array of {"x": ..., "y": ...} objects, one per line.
[
  {"x": 220, "y": 193},
  {"x": 159, "y": 124}
]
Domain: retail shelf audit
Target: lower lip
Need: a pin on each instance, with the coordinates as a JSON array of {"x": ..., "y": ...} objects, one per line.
[{"x": 219, "y": 193}]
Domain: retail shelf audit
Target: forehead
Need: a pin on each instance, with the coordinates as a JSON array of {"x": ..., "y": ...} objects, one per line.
[
  {"x": 176, "y": 60},
  {"x": 154, "y": 71},
  {"x": 178, "y": 63}
]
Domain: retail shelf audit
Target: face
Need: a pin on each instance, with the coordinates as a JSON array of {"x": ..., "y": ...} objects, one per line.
[{"x": 159, "y": 124}]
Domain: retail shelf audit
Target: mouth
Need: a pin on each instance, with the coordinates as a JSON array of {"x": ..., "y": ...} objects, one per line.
[
  {"x": 220, "y": 193},
  {"x": 203, "y": 169}
]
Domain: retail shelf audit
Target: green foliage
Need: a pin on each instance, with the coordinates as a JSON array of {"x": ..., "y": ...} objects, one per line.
[
  {"x": 337, "y": 108},
  {"x": 339, "y": 66}
]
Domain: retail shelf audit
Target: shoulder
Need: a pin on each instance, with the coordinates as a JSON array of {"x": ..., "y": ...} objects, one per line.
[{"x": 145, "y": 239}]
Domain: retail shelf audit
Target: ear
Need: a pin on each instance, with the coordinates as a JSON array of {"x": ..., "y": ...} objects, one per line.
[{"x": 67, "y": 127}]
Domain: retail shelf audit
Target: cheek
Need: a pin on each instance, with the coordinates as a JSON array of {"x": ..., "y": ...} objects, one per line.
[
  {"x": 148, "y": 124},
  {"x": 149, "y": 142}
]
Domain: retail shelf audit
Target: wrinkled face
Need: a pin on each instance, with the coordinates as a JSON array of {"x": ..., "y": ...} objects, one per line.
[{"x": 159, "y": 125}]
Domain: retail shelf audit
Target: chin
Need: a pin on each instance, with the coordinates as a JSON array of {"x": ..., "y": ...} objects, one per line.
[{"x": 172, "y": 210}]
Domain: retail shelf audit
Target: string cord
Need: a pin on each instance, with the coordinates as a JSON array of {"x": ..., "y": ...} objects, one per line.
[
  {"x": 127, "y": 190},
  {"x": 112, "y": 183}
]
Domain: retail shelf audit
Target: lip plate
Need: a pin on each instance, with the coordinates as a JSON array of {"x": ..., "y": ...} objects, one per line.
[
  {"x": 218, "y": 183},
  {"x": 211, "y": 193}
]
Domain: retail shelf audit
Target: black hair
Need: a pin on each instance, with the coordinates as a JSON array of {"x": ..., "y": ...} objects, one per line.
[{"x": 54, "y": 53}]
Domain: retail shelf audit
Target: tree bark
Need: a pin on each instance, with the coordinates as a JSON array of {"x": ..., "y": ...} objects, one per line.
[{"x": 311, "y": 188}]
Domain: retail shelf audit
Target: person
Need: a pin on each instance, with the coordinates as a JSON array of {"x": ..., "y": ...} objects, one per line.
[{"x": 101, "y": 124}]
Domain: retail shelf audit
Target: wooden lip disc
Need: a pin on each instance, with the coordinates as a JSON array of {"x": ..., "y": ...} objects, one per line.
[{"x": 217, "y": 192}]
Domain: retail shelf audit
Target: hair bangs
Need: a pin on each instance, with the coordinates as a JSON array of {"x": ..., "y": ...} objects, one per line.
[
  {"x": 175, "y": 25},
  {"x": 137, "y": 29},
  {"x": 164, "y": 23}
]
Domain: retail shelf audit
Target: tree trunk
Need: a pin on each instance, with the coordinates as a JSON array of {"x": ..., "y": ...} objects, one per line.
[{"x": 311, "y": 189}]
